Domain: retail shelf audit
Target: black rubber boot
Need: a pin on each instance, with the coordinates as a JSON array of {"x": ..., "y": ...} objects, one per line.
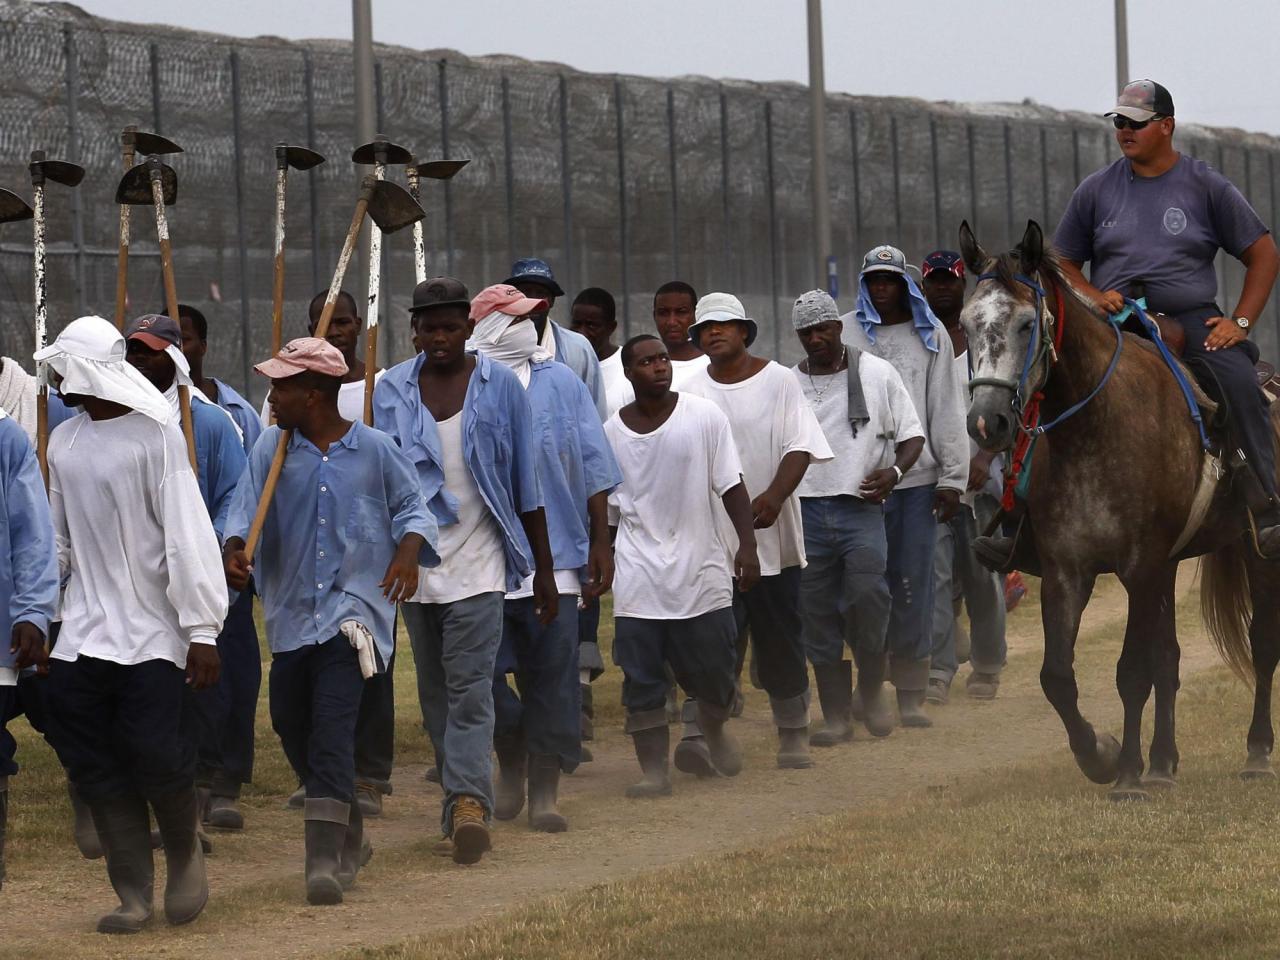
[
  {"x": 726, "y": 755},
  {"x": 652, "y": 748},
  {"x": 124, "y": 829},
  {"x": 544, "y": 786},
  {"x": 876, "y": 713},
  {"x": 508, "y": 792},
  {"x": 835, "y": 694},
  {"x": 86, "y": 833},
  {"x": 588, "y": 713},
  {"x": 356, "y": 849},
  {"x": 186, "y": 891},
  {"x": 325, "y": 832},
  {"x": 4, "y": 822}
]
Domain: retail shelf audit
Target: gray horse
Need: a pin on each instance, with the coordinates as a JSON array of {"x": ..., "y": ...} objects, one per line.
[{"x": 1111, "y": 489}]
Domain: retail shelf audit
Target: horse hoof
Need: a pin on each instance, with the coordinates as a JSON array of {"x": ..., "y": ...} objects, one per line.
[
  {"x": 1133, "y": 793},
  {"x": 1258, "y": 768},
  {"x": 1161, "y": 780},
  {"x": 1102, "y": 766}
]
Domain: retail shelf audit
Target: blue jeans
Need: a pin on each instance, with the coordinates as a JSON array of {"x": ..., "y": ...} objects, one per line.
[
  {"x": 544, "y": 660},
  {"x": 912, "y": 535},
  {"x": 958, "y": 575},
  {"x": 844, "y": 596},
  {"x": 455, "y": 646}
]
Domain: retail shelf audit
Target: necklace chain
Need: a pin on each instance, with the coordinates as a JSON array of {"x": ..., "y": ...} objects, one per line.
[{"x": 819, "y": 394}]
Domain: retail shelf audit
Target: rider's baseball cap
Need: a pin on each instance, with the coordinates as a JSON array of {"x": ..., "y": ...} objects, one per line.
[{"x": 1142, "y": 100}]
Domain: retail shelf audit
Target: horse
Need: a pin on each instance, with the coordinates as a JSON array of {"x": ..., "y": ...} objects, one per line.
[{"x": 1111, "y": 487}]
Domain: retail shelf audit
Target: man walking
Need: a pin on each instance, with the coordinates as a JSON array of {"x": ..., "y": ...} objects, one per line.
[
  {"x": 195, "y": 344},
  {"x": 875, "y": 436},
  {"x": 777, "y": 437},
  {"x": 892, "y": 321},
  {"x": 959, "y": 580},
  {"x": 348, "y": 515},
  {"x": 674, "y": 307},
  {"x": 143, "y": 605}
]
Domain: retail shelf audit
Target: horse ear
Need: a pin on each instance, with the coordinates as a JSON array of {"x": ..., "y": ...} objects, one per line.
[
  {"x": 975, "y": 258},
  {"x": 1031, "y": 249}
]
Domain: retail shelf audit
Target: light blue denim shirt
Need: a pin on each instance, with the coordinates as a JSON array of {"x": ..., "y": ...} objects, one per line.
[
  {"x": 220, "y": 460},
  {"x": 575, "y": 352},
  {"x": 29, "y": 573},
  {"x": 333, "y": 527},
  {"x": 497, "y": 444},
  {"x": 574, "y": 460},
  {"x": 242, "y": 413}
]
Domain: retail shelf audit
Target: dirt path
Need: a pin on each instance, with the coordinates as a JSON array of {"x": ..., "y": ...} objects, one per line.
[{"x": 258, "y": 908}]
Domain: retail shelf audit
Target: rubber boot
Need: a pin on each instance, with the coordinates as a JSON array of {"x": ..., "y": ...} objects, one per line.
[
  {"x": 726, "y": 755},
  {"x": 186, "y": 891},
  {"x": 356, "y": 849},
  {"x": 224, "y": 813},
  {"x": 691, "y": 754},
  {"x": 86, "y": 833},
  {"x": 544, "y": 785},
  {"x": 4, "y": 822},
  {"x": 508, "y": 792},
  {"x": 791, "y": 717},
  {"x": 326, "y": 829},
  {"x": 298, "y": 798},
  {"x": 124, "y": 829},
  {"x": 876, "y": 713},
  {"x": 911, "y": 679},
  {"x": 652, "y": 748},
  {"x": 835, "y": 694}
]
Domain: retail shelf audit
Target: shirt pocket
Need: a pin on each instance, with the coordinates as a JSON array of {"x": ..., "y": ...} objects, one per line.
[
  {"x": 367, "y": 520},
  {"x": 493, "y": 442}
]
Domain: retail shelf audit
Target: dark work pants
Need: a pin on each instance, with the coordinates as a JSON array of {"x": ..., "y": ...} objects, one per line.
[
  {"x": 120, "y": 728},
  {"x": 315, "y": 695},
  {"x": 376, "y": 729},
  {"x": 771, "y": 609},
  {"x": 589, "y": 639},
  {"x": 1250, "y": 417},
  {"x": 544, "y": 660},
  {"x": 225, "y": 712},
  {"x": 9, "y": 708}
]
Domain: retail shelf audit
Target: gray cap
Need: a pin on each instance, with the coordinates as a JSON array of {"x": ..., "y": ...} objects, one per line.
[
  {"x": 813, "y": 308},
  {"x": 886, "y": 259}
]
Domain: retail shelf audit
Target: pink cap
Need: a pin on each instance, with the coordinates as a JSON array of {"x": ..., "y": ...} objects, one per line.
[
  {"x": 301, "y": 355},
  {"x": 504, "y": 298}
]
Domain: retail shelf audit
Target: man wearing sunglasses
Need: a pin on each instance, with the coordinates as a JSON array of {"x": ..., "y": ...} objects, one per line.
[{"x": 1159, "y": 217}]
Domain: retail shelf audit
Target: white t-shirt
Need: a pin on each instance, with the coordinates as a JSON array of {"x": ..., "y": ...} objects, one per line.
[
  {"x": 892, "y": 419},
  {"x": 350, "y": 401},
  {"x": 135, "y": 540},
  {"x": 682, "y": 371},
  {"x": 769, "y": 418},
  {"x": 617, "y": 388},
  {"x": 671, "y": 561},
  {"x": 472, "y": 555}
]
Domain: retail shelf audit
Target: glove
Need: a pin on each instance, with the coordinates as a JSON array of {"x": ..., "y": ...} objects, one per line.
[{"x": 362, "y": 640}]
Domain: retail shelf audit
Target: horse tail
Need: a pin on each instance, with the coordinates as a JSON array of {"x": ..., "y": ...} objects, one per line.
[{"x": 1226, "y": 606}]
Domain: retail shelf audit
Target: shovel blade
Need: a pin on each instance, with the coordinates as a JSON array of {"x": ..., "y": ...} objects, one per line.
[
  {"x": 441, "y": 169},
  {"x": 393, "y": 153},
  {"x": 59, "y": 171},
  {"x": 391, "y": 207},
  {"x": 12, "y": 207},
  {"x": 135, "y": 186},
  {"x": 152, "y": 144},
  {"x": 302, "y": 158}
]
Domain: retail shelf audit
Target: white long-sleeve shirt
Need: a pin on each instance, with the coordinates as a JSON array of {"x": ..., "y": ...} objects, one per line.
[{"x": 135, "y": 541}]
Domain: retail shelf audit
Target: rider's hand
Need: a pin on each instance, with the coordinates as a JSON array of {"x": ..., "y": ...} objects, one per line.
[
  {"x": 1111, "y": 301},
  {"x": 1223, "y": 333}
]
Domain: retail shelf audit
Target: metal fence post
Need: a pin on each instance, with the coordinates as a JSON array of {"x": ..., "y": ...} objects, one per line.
[
  {"x": 154, "y": 54},
  {"x": 675, "y": 189},
  {"x": 1008, "y": 183},
  {"x": 1075, "y": 157},
  {"x": 937, "y": 185},
  {"x": 509, "y": 169},
  {"x": 773, "y": 228},
  {"x": 973, "y": 177},
  {"x": 387, "y": 328},
  {"x": 308, "y": 81},
  {"x": 237, "y": 145},
  {"x": 897, "y": 185},
  {"x": 566, "y": 184},
  {"x": 726, "y": 234},
  {"x": 73, "y": 154},
  {"x": 1044, "y": 177},
  {"x": 444, "y": 151},
  {"x": 623, "y": 226},
  {"x": 856, "y": 246}
]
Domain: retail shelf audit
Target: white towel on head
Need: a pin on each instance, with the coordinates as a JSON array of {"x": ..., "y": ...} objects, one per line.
[{"x": 514, "y": 345}]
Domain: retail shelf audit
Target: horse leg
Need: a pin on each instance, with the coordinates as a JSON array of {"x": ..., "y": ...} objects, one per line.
[
  {"x": 1264, "y": 642},
  {"x": 1063, "y": 595},
  {"x": 1165, "y": 654},
  {"x": 1134, "y": 677}
]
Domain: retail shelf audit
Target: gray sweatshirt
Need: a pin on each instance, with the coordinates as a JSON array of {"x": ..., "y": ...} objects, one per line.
[{"x": 934, "y": 382}]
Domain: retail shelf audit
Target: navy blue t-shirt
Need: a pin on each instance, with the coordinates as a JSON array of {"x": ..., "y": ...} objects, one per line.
[{"x": 1166, "y": 230}]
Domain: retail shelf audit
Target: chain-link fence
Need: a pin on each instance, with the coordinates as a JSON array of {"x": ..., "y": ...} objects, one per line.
[{"x": 619, "y": 182}]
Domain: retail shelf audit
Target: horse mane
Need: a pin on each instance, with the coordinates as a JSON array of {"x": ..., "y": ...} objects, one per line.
[{"x": 1007, "y": 266}]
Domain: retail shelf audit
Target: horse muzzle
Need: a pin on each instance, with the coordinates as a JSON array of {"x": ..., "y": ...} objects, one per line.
[{"x": 992, "y": 426}]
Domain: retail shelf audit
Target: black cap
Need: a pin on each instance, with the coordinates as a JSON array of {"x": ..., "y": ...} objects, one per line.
[{"x": 440, "y": 292}]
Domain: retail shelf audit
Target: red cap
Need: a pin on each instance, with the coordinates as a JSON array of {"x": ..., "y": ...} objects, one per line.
[
  {"x": 506, "y": 299},
  {"x": 301, "y": 355}
]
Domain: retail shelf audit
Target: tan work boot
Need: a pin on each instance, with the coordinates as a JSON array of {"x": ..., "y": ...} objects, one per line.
[{"x": 470, "y": 833}]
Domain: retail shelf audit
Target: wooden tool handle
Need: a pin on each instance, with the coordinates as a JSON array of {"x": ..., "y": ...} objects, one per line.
[
  {"x": 42, "y": 432},
  {"x": 370, "y": 366},
  {"x": 268, "y": 491}
]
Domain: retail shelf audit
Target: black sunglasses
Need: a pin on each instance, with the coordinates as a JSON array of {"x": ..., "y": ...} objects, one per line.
[{"x": 1121, "y": 123}]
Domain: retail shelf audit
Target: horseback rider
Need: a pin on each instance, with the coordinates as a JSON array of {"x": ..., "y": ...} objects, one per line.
[{"x": 1158, "y": 217}]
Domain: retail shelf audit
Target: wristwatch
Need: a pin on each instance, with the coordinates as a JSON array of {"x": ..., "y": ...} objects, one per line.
[{"x": 1244, "y": 323}]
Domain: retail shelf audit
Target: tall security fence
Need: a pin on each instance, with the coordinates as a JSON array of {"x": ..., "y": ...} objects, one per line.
[{"x": 619, "y": 182}]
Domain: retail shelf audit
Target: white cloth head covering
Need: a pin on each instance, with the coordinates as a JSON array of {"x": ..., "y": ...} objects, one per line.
[
  {"x": 511, "y": 344},
  {"x": 89, "y": 355}
]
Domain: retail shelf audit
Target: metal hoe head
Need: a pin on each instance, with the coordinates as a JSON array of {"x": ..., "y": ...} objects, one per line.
[
  {"x": 390, "y": 205},
  {"x": 148, "y": 144},
  {"x": 59, "y": 171},
  {"x": 300, "y": 158},
  {"x": 135, "y": 186},
  {"x": 392, "y": 153},
  {"x": 13, "y": 208},
  {"x": 441, "y": 169}
]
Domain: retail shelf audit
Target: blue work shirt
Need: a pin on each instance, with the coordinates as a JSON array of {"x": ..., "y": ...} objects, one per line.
[
  {"x": 334, "y": 524},
  {"x": 574, "y": 460},
  {"x": 29, "y": 573},
  {"x": 575, "y": 352},
  {"x": 58, "y": 409},
  {"x": 220, "y": 460},
  {"x": 497, "y": 444},
  {"x": 242, "y": 413}
]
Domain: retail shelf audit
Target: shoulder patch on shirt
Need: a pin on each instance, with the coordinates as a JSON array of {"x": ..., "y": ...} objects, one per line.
[{"x": 1175, "y": 221}]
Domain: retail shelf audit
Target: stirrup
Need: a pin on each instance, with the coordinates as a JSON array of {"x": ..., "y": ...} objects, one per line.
[
  {"x": 1266, "y": 540},
  {"x": 994, "y": 550}
]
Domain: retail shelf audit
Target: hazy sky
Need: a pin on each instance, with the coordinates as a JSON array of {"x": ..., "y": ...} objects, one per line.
[{"x": 1213, "y": 57}]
